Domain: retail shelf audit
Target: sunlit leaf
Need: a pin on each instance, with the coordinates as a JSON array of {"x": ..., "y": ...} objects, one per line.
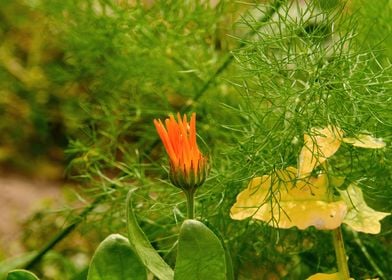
[
  {"x": 283, "y": 201},
  {"x": 115, "y": 260},
  {"x": 143, "y": 248},
  {"x": 361, "y": 217},
  {"x": 200, "y": 254},
  {"x": 318, "y": 146},
  {"x": 365, "y": 141}
]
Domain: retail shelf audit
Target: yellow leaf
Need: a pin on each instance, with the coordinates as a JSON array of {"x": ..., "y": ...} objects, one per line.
[
  {"x": 365, "y": 141},
  {"x": 320, "y": 145},
  {"x": 324, "y": 276},
  {"x": 283, "y": 201},
  {"x": 361, "y": 217}
]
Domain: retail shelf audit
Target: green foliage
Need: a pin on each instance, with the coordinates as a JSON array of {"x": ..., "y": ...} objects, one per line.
[
  {"x": 200, "y": 253},
  {"x": 114, "y": 259},
  {"x": 374, "y": 29},
  {"x": 34, "y": 109},
  {"x": 307, "y": 68},
  {"x": 106, "y": 69},
  {"x": 142, "y": 246}
]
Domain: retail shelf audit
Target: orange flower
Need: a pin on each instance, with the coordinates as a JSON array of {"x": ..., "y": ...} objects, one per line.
[{"x": 188, "y": 167}]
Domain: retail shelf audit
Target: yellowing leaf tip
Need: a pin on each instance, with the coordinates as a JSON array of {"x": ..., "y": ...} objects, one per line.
[{"x": 365, "y": 141}]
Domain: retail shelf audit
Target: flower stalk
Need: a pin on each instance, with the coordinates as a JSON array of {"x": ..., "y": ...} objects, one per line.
[
  {"x": 188, "y": 166},
  {"x": 341, "y": 257},
  {"x": 190, "y": 199}
]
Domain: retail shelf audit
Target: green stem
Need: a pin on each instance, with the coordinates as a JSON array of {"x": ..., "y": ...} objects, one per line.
[
  {"x": 357, "y": 240},
  {"x": 62, "y": 234},
  {"x": 338, "y": 243},
  {"x": 341, "y": 257},
  {"x": 190, "y": 201}
]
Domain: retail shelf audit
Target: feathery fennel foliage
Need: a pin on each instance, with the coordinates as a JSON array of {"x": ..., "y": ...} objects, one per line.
[
  {"x": 258, "y": 76},
  {"x": 305, "y": 68}
]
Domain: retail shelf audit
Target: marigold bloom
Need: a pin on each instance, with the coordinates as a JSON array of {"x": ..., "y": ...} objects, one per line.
[{"x": 188, "y": 167}]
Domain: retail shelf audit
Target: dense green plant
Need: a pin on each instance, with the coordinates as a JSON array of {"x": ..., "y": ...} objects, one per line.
[{"x": 259, "y": 76}]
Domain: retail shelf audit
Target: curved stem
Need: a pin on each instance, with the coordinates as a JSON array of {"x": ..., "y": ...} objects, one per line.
[{"x": 340, "y": 252}]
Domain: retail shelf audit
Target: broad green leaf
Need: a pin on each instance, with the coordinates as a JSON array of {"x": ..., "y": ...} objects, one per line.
[
  {"x": 229, "y": 263},
  {"x": 200, "y": 253},
  {"x": 361, "y": 217},
  {"x": 365, "y": 141},
  {"x": 115, "y": 260},
  {"x": 142, "y": 246},
  {"x": 21, "y": 274},
  {"x": 318, "y": 146},
  {"x": 283, "y": 201}
]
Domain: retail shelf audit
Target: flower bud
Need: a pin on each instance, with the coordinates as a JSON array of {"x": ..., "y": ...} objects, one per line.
[{"x": 188, "y": 166}]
